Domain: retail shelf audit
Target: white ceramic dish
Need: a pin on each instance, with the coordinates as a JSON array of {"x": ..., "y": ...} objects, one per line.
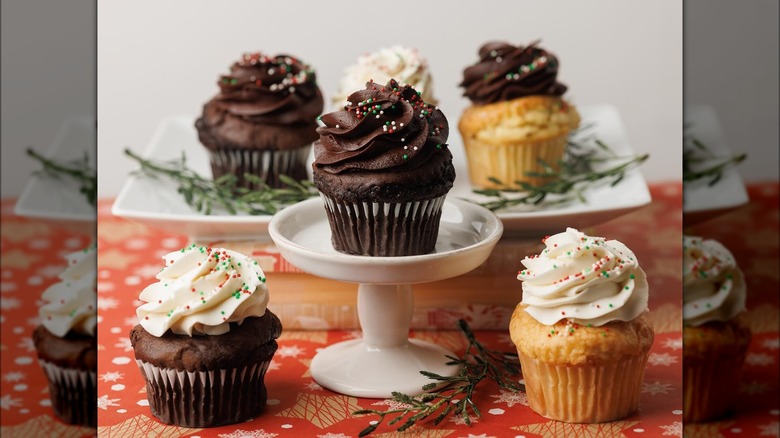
[
  {"x": 385, "y": 359},
  {"x": 57, "y": 201},
  {"x": 156, "y": 202},
  {"x": 701, "y": 201}
]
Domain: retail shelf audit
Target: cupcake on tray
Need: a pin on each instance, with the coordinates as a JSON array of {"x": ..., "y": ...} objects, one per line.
[
  {"x": 716, "y": 333},
  {"x": 206, "y": 338},
  {"x": 582, "y": 330},
  {"x": 263, "y": 120},
  {"x": 383, "y": 167},
  {"x": 65, "y": 341},
  {"x": 518, "y": 115},
  {"x": 403, "y": 64}
]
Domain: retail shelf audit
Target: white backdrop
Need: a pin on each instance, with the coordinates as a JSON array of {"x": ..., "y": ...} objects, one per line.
[{"x": 158, "y": 58}]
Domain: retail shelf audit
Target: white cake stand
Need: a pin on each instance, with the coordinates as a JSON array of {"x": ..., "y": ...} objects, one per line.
[{"x": 385, "y": 359}]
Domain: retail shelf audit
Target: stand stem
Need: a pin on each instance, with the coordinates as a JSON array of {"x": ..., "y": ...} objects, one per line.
[{"x": 385, "y": 313}]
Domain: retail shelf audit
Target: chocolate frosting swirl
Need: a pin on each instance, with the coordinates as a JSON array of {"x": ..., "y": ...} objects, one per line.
[
  {"x": 381, "y": 128},
  {"x": 276, "y": 90},
  {"x": 505, "y": 72}
]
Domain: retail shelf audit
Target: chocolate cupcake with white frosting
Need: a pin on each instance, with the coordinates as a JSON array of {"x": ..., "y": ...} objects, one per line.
[
  {"x": 65, "y": 341},
  {"x": 383, "y": 167},
  {"x": 205, "y": 338},
  {"x": 263, "y": 120}
]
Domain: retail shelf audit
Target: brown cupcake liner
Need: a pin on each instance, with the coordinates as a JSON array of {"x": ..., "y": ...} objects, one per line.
[
  {"x": 710, "y": 388},
  {"x": 205, "y": 398},
  {"x": 73, "y": 393},
  {"x": 384, "y": 229},
  {"x": 509, "y": 162},
  {"x": 265, "y": 164},
  {"x": 584, "y": 393}
]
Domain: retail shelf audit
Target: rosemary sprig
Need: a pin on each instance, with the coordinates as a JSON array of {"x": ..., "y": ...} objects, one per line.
[
  {"x": 577, "y": 171},
  {"x": 696, "y": 154},
  {"x": 79, "y": 170},
  {"x": 477, "y": 364},
  {"x": 204, "y": 194}
]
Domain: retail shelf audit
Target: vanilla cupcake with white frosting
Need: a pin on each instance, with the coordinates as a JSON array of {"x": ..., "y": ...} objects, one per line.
[
  {"x": 65, "y": 340},
  {"x": 716, "y": 333},
  {"x": 404, "y": 64},
  {"x": 205, "y": 332},
  {"x": 582, "y": 330}
]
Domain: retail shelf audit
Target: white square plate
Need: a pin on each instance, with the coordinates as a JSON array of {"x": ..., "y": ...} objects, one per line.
[
  {"x": 701, "y": 201},
  {"x": 157, "y": 203},
  {"x": 58, "y": 201}
]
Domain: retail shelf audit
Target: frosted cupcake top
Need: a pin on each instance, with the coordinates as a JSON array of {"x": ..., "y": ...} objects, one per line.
[
  {"x": 403, "y": 64},
  {"x": 587, "y": 280},
  {"x": 201, "y": 291},
  {"x": 713, "y": 285},
  {"x": 70, "y": 303}
]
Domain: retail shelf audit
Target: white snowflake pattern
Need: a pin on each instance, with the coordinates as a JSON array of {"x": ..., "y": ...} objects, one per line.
[
  {"x": 7, "y": 402},
  {"x": 105, "y": 287},
  {"x": 26, "y": 344},
  {"x": 14, "y": 376},
  {"x": 460, "y": 421},
  {"x": 51, "y": 270},
  {"x": 771, "y": 344},
  {"x": 754, "y": 388},
  {"x": 274, "y": 365},
  {"x": 124, "y": 344},
  {"x": 148, "y": 271},
  {"x": 111, "y": 376},
  {"x": 353, "y": 334},
  {"x": 391, "y": 404},
  {"x": 314, "y": 386},
  {"x": 131, "y": 321},
  {"x": 759, "y": 359},
  {"x": 104, "y": 402},
  {"x": 511, "y": 398},
  {"x": 657, "y": 388},
  {"x": 7, "y": 286},
  {"x": 35, "y": 321},
  {"x": 107, "y": 303},
  {"x": 484, "y": 435},
  {"x": 664, "y": 359},
  {"x": 673, "y": 343},
  {"x": 9, "y": 303},
  {"x": 289, "y": 351},
  {"x": 771, "y": 429},
  {"x": 239, "y": 433},
  {"x": 333, "y": 435},
  {"x": 674, "y": 429}
]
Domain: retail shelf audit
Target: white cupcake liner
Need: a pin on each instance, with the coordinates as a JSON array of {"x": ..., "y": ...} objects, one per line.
[
  {"x": 265, "y": 164},
  {"x": 710, "y": 388},
  {"x": 205, "y": 398},
  {"x": 384, "y": 228},
  {"x": 72, "y": 392}
]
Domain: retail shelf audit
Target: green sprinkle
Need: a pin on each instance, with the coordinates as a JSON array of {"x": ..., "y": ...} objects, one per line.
[
  {"x": 406, "y": 157},
  {"x": 233, "y": 81},
  {"x": 626, "y": 288},
  {"x": 438, "y": 146},
  {"x": 631, "y": 276},
  {"x": 610, "y": 305},
  {"x": 223, "y": 312}
]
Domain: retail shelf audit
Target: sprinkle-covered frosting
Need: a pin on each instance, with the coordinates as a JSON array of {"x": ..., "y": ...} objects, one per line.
[
  {"x": 506, "y": 72},
  {"x": 201, "y": 291},
  {"x": 713, "y": 285},
  {"x": 585, "y": 280},
  {"x": 381, "y": 127},
  {"x": 403, "y": 64},
  {"x": 70, "y": 303},
  {"x": 270, "y": 89}
]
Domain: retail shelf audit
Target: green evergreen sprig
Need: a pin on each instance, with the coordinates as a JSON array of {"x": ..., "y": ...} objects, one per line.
[{"x": 78, "y": 170}]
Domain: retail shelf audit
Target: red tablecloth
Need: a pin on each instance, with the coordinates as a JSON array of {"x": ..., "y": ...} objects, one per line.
[{"x": 129, "y": 257}]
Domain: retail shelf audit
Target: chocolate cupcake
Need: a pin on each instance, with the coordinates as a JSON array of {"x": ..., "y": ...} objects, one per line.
[
  {"x": 65, "y": 341},
  {"x": 206, "y": 338},
  {"x": 383, "y": 168},
  {"x": 263, "y": 121}
]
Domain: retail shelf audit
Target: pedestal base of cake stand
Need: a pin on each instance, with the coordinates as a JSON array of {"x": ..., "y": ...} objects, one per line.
[{"x": 385, "y": 359}]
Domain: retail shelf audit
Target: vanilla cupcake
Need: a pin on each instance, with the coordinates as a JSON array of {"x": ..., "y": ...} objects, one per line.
[
  {"x": 582, "y": 330},
  {"x": 403, "y": 64},
  {"x": 65, "y": 341},
  {"x": 518, "y": 116},
  {"x": 716, "y": 333},
  {"x": 205, "y": 338}
]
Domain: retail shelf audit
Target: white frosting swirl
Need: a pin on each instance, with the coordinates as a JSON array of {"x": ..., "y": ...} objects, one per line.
[
  {"x": 403, "y": 64},
  {"x": 587, "y": 280},
  {"x": 70, "y": 303},
  {"x": 201, "y": 291},
  {"x": 713, "y": 285}
]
